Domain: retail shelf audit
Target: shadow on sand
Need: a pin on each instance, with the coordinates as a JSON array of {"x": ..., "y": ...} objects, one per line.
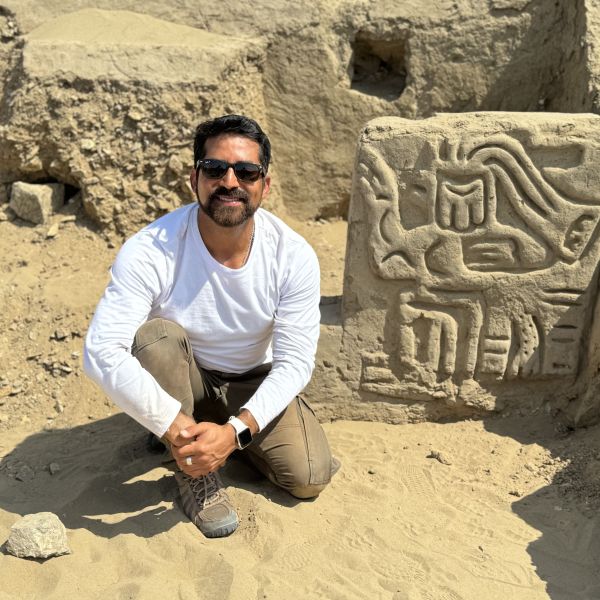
[
  {"x": 109, "y": 482},
  {"x": 565, "y": 512}
]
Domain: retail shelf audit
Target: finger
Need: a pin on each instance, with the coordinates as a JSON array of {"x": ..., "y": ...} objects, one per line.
[
  {"x": 182, "y": 452},
  {"x": 193, "y": 430}
]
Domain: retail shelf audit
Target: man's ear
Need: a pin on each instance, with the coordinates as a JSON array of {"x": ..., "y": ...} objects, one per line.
[
  {"x": 266, "y": 186},
  {"x": 194, "y": 181}
]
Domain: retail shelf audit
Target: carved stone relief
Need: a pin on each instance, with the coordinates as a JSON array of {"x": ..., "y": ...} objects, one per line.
[{"x": 485, "y": 258}]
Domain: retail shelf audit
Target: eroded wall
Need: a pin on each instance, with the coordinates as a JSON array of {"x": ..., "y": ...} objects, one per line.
[
  {"x": 107, "y": 102},
  {"x": 329, "y": 68}
]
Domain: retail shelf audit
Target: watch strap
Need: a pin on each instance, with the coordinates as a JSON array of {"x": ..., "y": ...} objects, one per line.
[{"x": 243, "y": 435}]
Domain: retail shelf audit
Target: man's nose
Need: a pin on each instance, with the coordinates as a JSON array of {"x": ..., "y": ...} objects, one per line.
[{"x": 229, "y": 180}]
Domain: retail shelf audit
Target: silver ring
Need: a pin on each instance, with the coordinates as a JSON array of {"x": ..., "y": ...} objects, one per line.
[{"x": 188, "y": 461}]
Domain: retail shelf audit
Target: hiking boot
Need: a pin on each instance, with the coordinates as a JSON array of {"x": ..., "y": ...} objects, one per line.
[{"x": 207, "y": 504}]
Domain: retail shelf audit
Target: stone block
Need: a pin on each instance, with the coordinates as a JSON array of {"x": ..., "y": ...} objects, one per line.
[
  {"x": 471, "y": 271},
  {"x": 35, "y": 202},
  {"x": 39, "y": 535}
]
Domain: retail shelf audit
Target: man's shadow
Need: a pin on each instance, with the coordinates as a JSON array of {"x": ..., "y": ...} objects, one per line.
[{"x": 108, "y": 480}]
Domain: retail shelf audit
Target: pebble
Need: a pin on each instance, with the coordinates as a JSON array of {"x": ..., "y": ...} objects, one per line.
[
  {"x": 440, "y": 457},
  {"x": 54, "y": 468},
  {"x": 39, "y": 535},
  {"x": 87, "y": 144},
  {"x": 25, "y": 473},
  {"x": 60, "y": 335},
  {"x": 52, "y": 231}
]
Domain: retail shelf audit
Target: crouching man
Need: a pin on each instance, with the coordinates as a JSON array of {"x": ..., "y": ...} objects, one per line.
[{"x": 208, "y": 329}]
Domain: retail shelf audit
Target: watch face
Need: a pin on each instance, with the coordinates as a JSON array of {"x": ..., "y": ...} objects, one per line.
[{"x": 245, "y": 437}]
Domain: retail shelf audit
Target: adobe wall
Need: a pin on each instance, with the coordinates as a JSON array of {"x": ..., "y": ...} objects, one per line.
[{"x": 313, "y": 73}]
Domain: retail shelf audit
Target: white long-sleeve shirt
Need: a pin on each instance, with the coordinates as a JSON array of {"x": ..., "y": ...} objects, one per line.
[{"x": 236, "y": 319}]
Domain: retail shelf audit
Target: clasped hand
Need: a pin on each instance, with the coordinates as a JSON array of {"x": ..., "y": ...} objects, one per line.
[{"x": 207, "y": 444}]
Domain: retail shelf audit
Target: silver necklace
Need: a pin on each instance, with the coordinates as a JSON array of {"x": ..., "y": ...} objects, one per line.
[{"x": 249, "y": 245}]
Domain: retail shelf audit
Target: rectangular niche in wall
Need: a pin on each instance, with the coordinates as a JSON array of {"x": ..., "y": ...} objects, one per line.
[{"x": 377, "y": 67}]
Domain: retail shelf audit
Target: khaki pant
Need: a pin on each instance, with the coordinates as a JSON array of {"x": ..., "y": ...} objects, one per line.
[{"x": 292, "y": 451}]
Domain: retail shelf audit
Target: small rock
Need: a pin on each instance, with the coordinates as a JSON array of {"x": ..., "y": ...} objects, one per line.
[
  {"x": 87, "y": 144},
  {"x": 60, "y": 335},
  {"x": 54, "y": 468},
  {"x": 7, "y": 214},
  {"x": 69, "y": 219},
  {"x": 516, "y": 493},
  {"x": 53, "y": 231},
  {"x": 372, "y": 471},
  {"x": 36, "y": 202},
  {"x": 175, "y": 164},
  {"x": 25, "y": 473},
  {"x": 39, "y": 535},
  {"x": 58, "y": 407},
  {"x": 439, "y": 456},
  {"x": 135, "y": 115}
]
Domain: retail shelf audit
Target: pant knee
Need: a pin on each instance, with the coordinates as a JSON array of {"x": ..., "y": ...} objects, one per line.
[
  {"x": 160, "y": 337},
  {"x": 299, "y": 481},
  {"x": 305, "y": 492}
]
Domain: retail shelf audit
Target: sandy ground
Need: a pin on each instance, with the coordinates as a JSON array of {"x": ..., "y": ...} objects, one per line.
[{"x": 514, "y": 515}]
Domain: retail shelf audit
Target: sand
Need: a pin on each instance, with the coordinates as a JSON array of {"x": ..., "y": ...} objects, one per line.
[{"x": 512, "y": 516}]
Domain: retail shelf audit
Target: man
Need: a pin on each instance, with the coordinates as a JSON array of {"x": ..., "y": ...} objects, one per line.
[{"x": 208, "y": 329}]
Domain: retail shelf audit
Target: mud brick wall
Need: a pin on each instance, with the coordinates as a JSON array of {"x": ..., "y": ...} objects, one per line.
[{"x": 471, "y": 270}]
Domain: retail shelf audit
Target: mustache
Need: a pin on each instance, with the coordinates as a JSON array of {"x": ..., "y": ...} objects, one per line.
[{"x": 223, "y": 192}]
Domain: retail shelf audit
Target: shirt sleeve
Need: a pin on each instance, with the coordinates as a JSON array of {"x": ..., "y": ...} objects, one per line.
[
  {"x": 295, "y": 335},
  {"x": 137, "y": 281}
]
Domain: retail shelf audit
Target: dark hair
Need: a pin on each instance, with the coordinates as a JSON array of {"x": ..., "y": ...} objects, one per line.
[{"x": 233, "y": 124}]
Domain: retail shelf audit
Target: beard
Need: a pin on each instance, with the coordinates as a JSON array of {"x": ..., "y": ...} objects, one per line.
[{"x": 224, "y": 215}]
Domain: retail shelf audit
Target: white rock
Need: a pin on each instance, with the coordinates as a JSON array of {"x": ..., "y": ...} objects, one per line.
[
  {"x": 87, "y": 144},
  {"x": 52, "y": 231},
  {"x": 36, "y": 202},
  {"x": 39, "y": 535}
]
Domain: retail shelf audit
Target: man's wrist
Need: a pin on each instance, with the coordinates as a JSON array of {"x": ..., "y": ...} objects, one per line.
[
  {"x": 180, "y": 422},
  {"x": 248, "y": 418}
]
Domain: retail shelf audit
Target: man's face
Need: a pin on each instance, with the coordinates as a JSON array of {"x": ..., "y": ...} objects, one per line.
[{"x": 228, "y": 201}]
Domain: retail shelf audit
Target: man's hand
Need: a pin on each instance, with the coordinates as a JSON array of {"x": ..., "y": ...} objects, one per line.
[
  {"x": 207, "y": 444},
  {"x": 181, "y": 422}
]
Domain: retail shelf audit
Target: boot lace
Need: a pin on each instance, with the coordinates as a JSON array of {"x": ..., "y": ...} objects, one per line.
[{"x": 206, "y": 489}]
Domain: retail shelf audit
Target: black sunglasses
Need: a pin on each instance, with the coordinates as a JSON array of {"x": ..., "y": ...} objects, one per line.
[{"x": 213, "y": 168}]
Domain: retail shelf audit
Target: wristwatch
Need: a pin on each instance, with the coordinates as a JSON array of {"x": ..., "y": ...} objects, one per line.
[{"x": 243, "y": 435}]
